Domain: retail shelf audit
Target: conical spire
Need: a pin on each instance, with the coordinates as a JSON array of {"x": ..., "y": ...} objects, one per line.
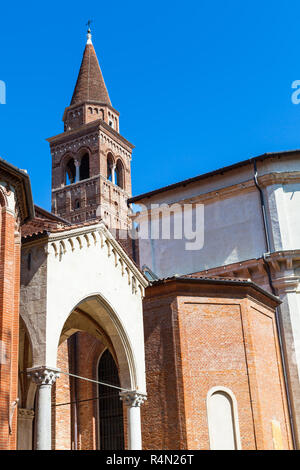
[{"x": 90, "y": 84}]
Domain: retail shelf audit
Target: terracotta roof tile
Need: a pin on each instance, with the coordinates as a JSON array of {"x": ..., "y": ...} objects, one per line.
[{"x": 90, "y": 84}]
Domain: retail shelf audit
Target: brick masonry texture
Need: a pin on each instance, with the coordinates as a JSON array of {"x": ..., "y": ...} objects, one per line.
[
  {"x": 77, "y": 427},
  {"x": 203, "y": 338},
  {"x": 90, "y": 84}
]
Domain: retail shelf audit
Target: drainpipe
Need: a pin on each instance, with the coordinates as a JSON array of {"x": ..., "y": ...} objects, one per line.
[
  {"x": 263, "y": 209},
  {"x": 277, "y": 317}
]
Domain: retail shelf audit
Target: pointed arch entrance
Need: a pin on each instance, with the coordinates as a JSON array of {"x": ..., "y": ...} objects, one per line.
[
  {"x": 94, "y": 352},
  {"x": 110, "y": 408},
  {"x": 91, "y": 287}
]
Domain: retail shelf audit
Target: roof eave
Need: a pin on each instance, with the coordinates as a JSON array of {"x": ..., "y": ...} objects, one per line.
[
  {"x": 209, "y": 174},
  {"x": 83, "y": 128},
  {"x": 228, "y": 282}
]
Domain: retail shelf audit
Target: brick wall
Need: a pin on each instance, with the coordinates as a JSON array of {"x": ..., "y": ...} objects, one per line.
[
  {"x": 61, "y": 393},
  {"x": 204, "y": 337},
  {"x": 96, "y": 195},
  {"x": 77, "y": 426},
  {"x": 163, "y": 421},
  {"x": 9, "y": 325}
]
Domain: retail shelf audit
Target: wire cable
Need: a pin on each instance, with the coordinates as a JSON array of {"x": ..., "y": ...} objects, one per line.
[{"x": 95, "y": 381}]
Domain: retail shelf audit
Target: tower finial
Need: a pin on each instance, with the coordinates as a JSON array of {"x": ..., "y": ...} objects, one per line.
[{"x": 89, "y": 36}]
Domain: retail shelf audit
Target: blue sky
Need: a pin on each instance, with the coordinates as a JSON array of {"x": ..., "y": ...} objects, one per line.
[{"x": 199, "y": 84}]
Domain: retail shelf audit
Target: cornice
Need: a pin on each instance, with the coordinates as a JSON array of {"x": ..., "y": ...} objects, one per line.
[
  {"x": 286, "y": 284},
  {"x": 240, "y": 187},
  {"x": 75, "y": 186},
  {"x": 23, "y": 196},
  {"x": 282, "y": 264},
  {"x": 219, "y": 172},
  {"x": 214, "y": 195},
  {"x": 25, "y": 413},
  {"x": 96, "y": 125},
  {"x": 279, "y": 178}
]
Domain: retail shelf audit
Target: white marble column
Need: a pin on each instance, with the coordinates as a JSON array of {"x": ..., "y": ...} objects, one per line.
[
  {"x": 113, "y": 174},
  {"x": 133, "y": 400},
  {"x": 44, "y": 377}
]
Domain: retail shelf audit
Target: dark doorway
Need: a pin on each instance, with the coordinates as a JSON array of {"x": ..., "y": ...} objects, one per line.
[{"x": 110, "y": 406}]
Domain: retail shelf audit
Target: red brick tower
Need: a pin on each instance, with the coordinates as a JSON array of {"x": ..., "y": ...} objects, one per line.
[
  {"x": 91, "y": 174},
  {"x": 16, "y": 207}
]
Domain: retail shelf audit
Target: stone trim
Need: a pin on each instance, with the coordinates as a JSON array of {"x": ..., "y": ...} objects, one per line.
[
  {"x": 235, "y": 417},
  {"x": 75, "y": 238},
  {"x": 133, "y": 398},
  {"x": 229, "y": 191},
  {"x": 75, "y": 144},
  {"x": 25, "y": 413},
  {"x": 279, "y": 178}
]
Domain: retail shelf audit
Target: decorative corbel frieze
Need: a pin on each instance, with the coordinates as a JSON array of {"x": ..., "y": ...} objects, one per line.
[{"x": 286, "y": 284}]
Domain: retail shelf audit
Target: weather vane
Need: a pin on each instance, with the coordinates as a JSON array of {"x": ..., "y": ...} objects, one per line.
[{"x": 89, "y": 24}]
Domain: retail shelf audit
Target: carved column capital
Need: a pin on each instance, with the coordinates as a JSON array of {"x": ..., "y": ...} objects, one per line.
[
  {"x": 25, "y": 413},
  {"x": 43, "y": 375},
  {"x": 133, "y": 398}
]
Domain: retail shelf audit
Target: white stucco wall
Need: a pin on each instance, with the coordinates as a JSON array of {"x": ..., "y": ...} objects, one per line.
[
  {"x": 233, "y": 232},
  {"x": 233, "y": 225}
]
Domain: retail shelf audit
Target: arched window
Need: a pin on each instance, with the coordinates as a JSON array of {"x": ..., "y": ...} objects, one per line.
[
  {"x": 70, "y": 172},
  {"x": 120, "y": 174},
  {"x": 84, "y": 170},
  {"x": 111, "y": 428},
  {"x": 110, "y": 168},
  {"x": 223, "y": 425}
]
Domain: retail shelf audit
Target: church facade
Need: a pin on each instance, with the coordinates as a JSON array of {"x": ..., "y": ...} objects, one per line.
[{"x": 113, "y": 340}]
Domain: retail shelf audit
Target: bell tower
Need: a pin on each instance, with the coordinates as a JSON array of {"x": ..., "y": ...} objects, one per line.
[{"x": 91, "y": 174}]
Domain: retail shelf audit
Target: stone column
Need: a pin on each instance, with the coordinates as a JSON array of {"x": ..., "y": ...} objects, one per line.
[
  {"x": 25, "y": 418},
  {"x": 44, "y": 377},
  {"x": 77, "y": 166},
  {"x": 133, "y": 400},
  {"x": 113, "y": 174}
]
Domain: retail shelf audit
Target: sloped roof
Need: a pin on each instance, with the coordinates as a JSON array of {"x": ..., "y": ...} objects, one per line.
[
  {"x": 90, "y": 85},
  {"x": 42, "y": 222},
  {"x": 219, "y": 171},
  {"x": 197, "y": 278}
]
